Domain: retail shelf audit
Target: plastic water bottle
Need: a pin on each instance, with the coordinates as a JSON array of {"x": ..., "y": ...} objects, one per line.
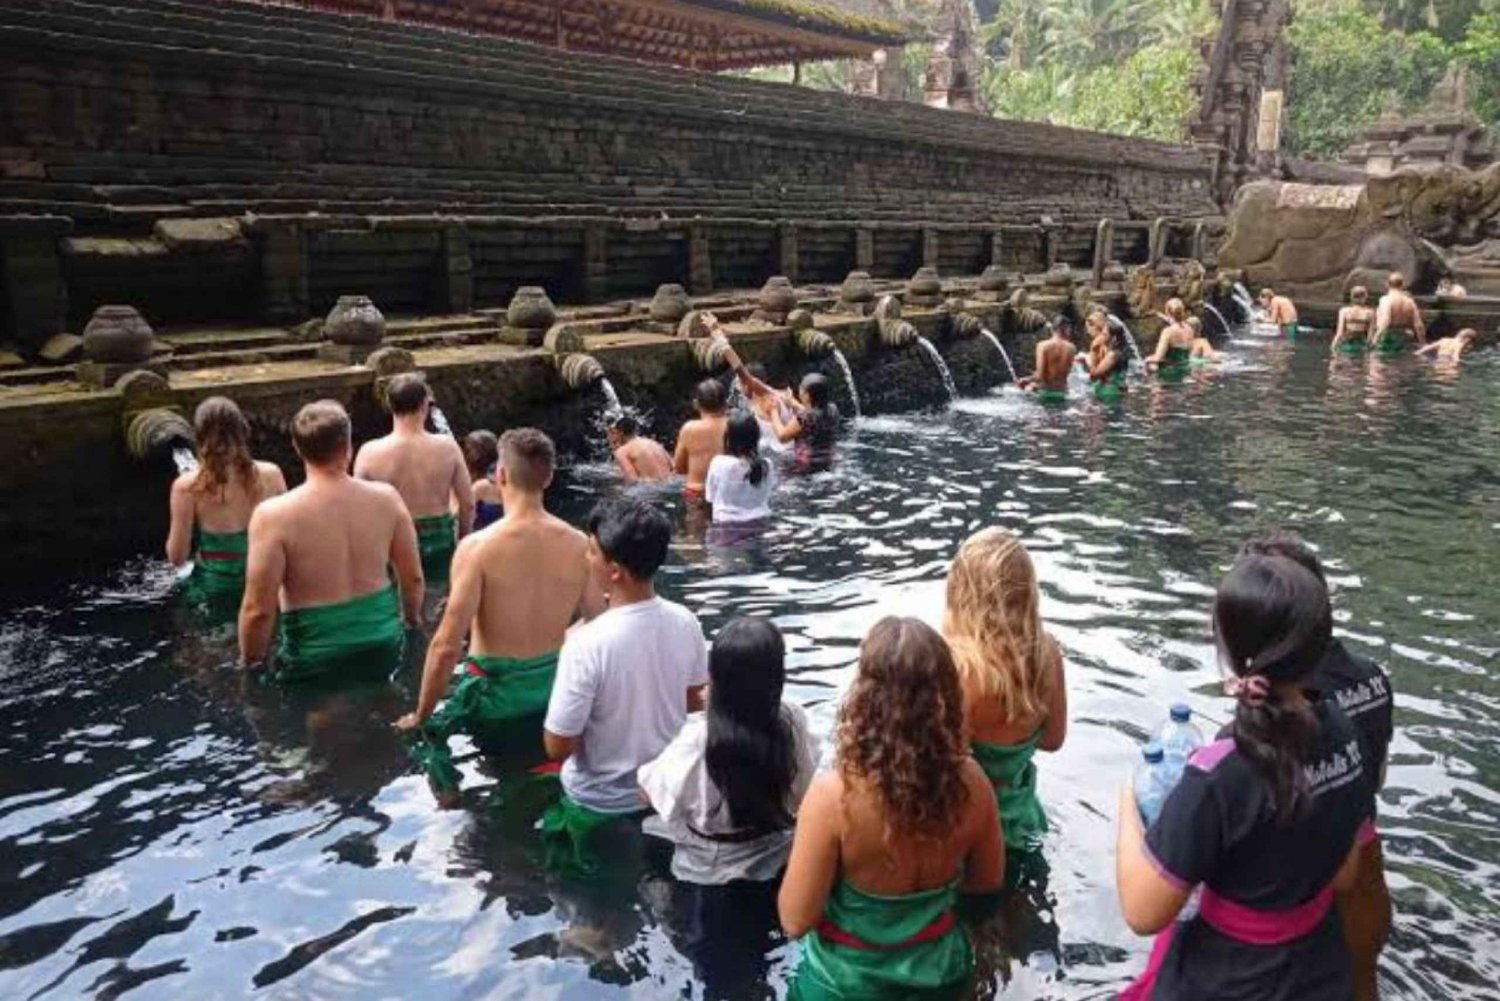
[
  {"x": 1179, "y": 738},
  {"x": 1150, "y": 783}
]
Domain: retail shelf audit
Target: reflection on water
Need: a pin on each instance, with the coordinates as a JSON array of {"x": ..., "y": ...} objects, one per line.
[{"x": 167, "y": 833}]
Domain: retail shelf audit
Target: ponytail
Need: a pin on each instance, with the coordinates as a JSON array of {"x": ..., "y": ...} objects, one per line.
[
  {"x": 757, "y": 471},
  {"x": 1273, "y": 624},
  {"x": 742, "y": 440}
]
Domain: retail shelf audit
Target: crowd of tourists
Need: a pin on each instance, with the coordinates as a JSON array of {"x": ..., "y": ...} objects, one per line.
[{"x": 1260, "y": 878}]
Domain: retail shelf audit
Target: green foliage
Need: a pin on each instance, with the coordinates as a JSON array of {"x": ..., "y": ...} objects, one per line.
[{"x": 1480, "y": 48}]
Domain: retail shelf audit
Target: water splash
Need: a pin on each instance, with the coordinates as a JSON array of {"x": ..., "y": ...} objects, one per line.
[
  {"x": 439, "y": 420},
  {"x": 989, "y": 335},
  {"x": 185, "y": 459},
  {"x": 942, "y": 366},
  {"x": 1135, "y": 349},
  {"x": 1243, "y": 299},
  {"x": 611, "y": 398},
  {"x": 1220, "y": 316},
  {"x": 843, "y": 364}
]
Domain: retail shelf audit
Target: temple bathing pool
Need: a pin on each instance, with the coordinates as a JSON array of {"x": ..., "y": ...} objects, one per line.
[{"x": 164, "y": 834}]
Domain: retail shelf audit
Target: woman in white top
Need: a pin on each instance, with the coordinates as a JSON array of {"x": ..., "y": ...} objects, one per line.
[
  {"x": 726, "y": 790},
  {"x": 739, "y": 482}
]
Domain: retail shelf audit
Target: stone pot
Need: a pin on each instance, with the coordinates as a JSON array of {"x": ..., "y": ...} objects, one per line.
[
  {"x": 857, "y": 287},
  {"x": 530, "y": 309},
  {"x": 777, "y": 297},
  {"x": 993, "y": 279},
  {"x": 1059, "y": 276},
  {"x": 925, "y": 283},
  {"x": 354, "y": 321},
  {"x": 117, "y": 334},
  {"x": 670, "y": 304}
]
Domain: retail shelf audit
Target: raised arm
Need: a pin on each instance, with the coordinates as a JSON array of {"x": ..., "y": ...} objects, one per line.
[
  {"x": 180, "y": 532},
  {"x": 814, "y": 862},
  {"x": 265, "y": 568},
  {"x": 785, "y": 430},
  {"x": 448, "y": 640}
]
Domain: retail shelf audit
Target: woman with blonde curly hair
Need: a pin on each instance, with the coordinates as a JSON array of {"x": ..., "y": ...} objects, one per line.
[
  {"x": 1011, "y": 672},
  {"x": 211, "y": 505},
  {"x": 887, "y": 840},
  {"x": 1174, "y": 348}
]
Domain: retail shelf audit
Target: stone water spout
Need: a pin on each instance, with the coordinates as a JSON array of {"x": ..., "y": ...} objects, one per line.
[
  {"x": 710, "y": 353},
  {"x": 963, "y": 326},
  {"x": 1024, "y": 317},
  {"x": 157, "y": 432},
  {"x": 812, "y": 343},
  {"x": 894, "y": 331},
  {"x": 580, "y": 371}
]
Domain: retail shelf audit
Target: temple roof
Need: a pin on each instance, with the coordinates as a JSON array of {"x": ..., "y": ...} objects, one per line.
[{"x": 707, "y": 35}]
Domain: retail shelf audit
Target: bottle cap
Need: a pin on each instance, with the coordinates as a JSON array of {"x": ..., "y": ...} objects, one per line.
[
  {"x": 1152, "y": 752},
  {"x": 1181, "y": 712}
]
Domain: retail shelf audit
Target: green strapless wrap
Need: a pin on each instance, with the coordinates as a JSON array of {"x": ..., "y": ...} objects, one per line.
[
  {"x": 1052, "y": 397},
  {"x": 1289, "y": 330},
  {"x": 1175, "y": 363},
  {"x": 1352, "y": 345},
  {"x": 1111, "y": 388},
  {"x": 219, "y": 559},
  {"x": 437, "y": 538},
  {"x": 873, "y": 947},
  {"x": 1013, "y": 774},
  {"x": 492, "y": 693},
  {"x": 569, "y": 828},
  {"x": 359, "y": 640},
  {"x": 1393, "y": 341}
]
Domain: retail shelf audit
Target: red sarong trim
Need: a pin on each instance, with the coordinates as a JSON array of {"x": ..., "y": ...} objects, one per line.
[{"x": 831, "y": 932}]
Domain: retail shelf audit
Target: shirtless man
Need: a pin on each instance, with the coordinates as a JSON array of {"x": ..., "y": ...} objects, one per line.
[
  {"x": 1280, "y": 311},
  {"x": 1397, "y": 319},
  {"x": 517, "y": 586},
  {"x": 1452, "y": 348},
  {"x": 1054, "y": 360},
  {"x": 701, "y": 439},
  {"x": 1355, "y": 322},
  {"x": 321, "y": 554},
  {"x": 427, "y": 470},
  {"x": 640, "y": 459}
]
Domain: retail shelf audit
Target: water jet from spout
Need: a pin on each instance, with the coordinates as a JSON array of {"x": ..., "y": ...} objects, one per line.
[
  {"x": 942, "y": 366},
  {"x": 843, "y": 364},
  {"x": 1135, "y": 349},
  {"x": 989, "y": 335}
]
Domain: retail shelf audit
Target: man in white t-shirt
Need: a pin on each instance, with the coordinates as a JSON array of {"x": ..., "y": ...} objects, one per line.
[{"x": 627, "y": 680}]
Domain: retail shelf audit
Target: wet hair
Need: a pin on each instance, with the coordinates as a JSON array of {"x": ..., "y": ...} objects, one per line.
[
  {"x": 1468, "y": 332},
  {"x": 1176, "y": 310},
  {"x": 742, "y": 440},
  {"x": 1060, "y": 324},
  {"x": 406, "y": 393},
  {"x": 1195, "y": 325},
  {"x": 709, "y": 396},
  {"x": 626, "y": 424},
  {"x": 1359, "y": 295},
  {"x": 320, "y": 430},
  {"x": 816, "y": 387},
  {"x": 993, "y": 623},
  {"x": 1289, "y": 546},
  {"x": 529, "y": 458},
  {"x": 481, "y": 453},
  {"x": 222, "y": 436},
  {"x": 1395, "y": 280},
  {"x": 901, "y": 728},
  {"x": 750, "y": 753},
  {"x": 633, "y": 534},
  {"x": 1266, "y": 293},
  {"x": 1272, "y": 618}
]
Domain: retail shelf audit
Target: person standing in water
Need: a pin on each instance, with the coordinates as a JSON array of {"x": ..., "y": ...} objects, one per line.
[
  {"x": 888, "y": 839},
  {"x": 1011, "y": 672},
  {"x": 1108, "y": 358},
  {"x": 1174, "y": 347},
  {"x": 1397, "y": 319},
  {"x": 701, "y": 439},
  {"x": 741, "y": 481},
  {"x": 1266, "y": 819},
  {"x": 481, "y": 453},
  {"x": 1450, "y": 289},
  {"x": 727, "y": 788},
  {"x": 427, "y": 470},
  {"x": 1451, "y": 348},
  {"x": 323, "y": 554},
  {"x": 1363, "y": 691},
  {"x": 641, "y": 459},
  {"x": 1054, "y": 361},
  {"x": 1279, "y": 311},
  {"x": 1203, "y": 352},
  {"x": 813, "y": 428},
  {"x": 1355, "y": 321},
  {"x": 516, "y": 589},
  {"x": 211, "y": 505}
]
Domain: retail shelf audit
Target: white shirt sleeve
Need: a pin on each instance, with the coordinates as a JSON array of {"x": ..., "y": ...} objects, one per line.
[
  {"x": 572, "y": 698},
  {"x": 806, "y": 755},
  {"x": 667, "y": 779},
  {"x": 699, "y": 674}
]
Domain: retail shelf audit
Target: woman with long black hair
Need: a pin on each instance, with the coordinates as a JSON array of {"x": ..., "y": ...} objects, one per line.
[
  {"x": 1266, "y": 820},
  {"x": 740, "y": 481},
  {"x": 727, "y": 789}
]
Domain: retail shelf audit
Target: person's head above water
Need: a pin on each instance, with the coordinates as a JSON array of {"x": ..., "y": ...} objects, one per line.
[
  {"x": 993, "y": 622},
  {"x": 628, "y": 541},
  {"x": 1467, "y": 338},
  {"x": 1359, "y": 295},
  {"x": 901, "y": 728},
  {"x": 527, "y": 460},
  {"x": 481, "y": 453},
  {"x": 742, "y": 441},
  {"x": 1061, "y": 327},
  {"x": 750, "y": 753},
  {"x": 1266, "y": 295},
  {"x": 709, "y": 397},
  {"x": 1176, "y": 311},
  {"x": 222, "y": 437},
  {"x": 815, "y": 391},
  {"x": 1273, "y": 625},
  {"x": 407, "y": 394},
  {"x": 1287, "y": 545},
  {"x": 321, "y": 435},
  {"x": 1395, "y": 281},
  {"x": 1195, "y": 325},
  {"x": 622, "y": 428}
]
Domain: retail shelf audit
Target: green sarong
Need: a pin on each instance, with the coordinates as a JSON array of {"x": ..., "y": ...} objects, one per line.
[
  {"x": 874, "y": 947},
  {"x": 437, "y": 537},
  {"x": 491, "y": 694},
  {"x": 1052, "y": 397},
  {"x": 1393, "y": 341},
  {"x": 1013, "y": 774},
  {"x": 1289, "y": 330},
  {"x": 1111, "y": 388},
  {"x": 569, "y": 828},
  {"x": 1352, "y": 346},
  {"x": 1174, "y": 364},
  {"x": 354, "y": 641},
  {"x": 219, "y": 560}
]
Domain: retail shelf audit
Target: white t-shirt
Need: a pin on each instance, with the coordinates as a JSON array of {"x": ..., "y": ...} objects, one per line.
[
  {"x": 621, "y": 688},
  {"x": 690, "y": 811},
  {"x": 734, "y": 498}
]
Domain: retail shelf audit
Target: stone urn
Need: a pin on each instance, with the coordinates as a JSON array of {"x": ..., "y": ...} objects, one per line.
[
  {"x": 670, "y": 304},
  {"x": 1058, "y": 276},
  {"x": 530, "y": 309},
  {"x": 925, "y": 283},
  {"x": 354, "y": 321},
  {"x": 857, "y": 288},
  {"x": 993, "y": 279},
  {"x": 777, "y": 297},
  {"x": 118, "y": 335}
]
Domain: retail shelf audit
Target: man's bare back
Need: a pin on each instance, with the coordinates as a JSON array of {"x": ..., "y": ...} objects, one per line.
[
  {"x": 697, "y": 444},
  {"x": 1398, "y": 311},
  {"x": 426, "y": 469},
  {"x": 1054, "y": 360},
  {"x": 644, "y": 459},
  {"x": 533, "y": 580}
]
